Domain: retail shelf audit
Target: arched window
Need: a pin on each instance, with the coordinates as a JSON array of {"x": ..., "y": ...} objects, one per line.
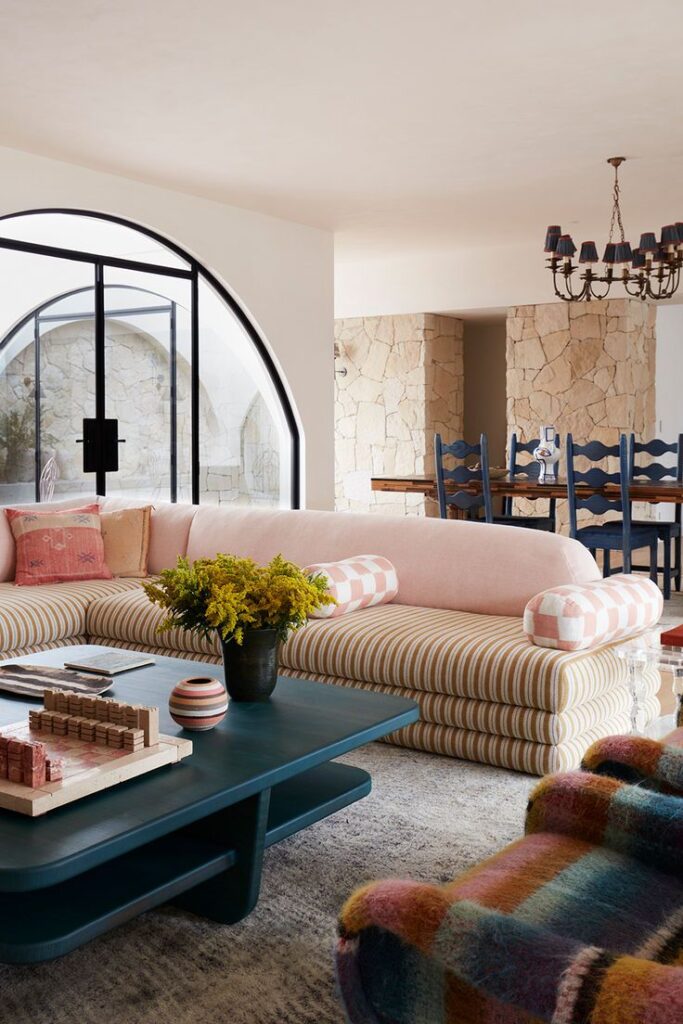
[{"x": 128, "y": 369}]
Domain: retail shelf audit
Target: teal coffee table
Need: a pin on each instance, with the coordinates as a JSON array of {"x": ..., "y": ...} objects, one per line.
[{"x": 194, "y": 833}]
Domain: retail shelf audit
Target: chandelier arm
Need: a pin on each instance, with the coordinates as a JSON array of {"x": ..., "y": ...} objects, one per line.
[
  {"x": 565, "y": 298},
  {"x": 604, "y": 294}
]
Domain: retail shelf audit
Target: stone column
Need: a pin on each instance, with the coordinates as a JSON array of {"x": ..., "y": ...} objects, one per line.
[
  {"x": 404, "y": 382},
  {"x": 587, "y": 368}
]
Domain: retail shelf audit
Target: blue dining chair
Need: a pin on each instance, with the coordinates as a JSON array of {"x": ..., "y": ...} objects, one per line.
[
  {"x": 529, "y": 470},
  {"x": 666, "y": 531},
  {"x": 616, "y": 535},
  {"x": 463, "y": 474}
]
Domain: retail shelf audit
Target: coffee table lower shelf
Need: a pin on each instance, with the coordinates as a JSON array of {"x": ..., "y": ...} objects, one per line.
[{"x": 212, "y": 867}]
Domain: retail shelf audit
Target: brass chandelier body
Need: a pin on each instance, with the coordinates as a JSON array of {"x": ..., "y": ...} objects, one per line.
[{"x": 650, "y": 271}]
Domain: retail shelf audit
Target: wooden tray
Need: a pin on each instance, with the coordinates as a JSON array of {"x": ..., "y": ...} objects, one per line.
[{"x": 88, "y": 768}]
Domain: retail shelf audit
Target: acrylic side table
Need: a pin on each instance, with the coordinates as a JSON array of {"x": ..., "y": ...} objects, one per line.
[{"x": 638, "y": 655}]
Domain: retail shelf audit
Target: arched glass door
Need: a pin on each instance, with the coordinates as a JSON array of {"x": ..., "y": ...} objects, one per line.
[{"x": 128, "y": 370}]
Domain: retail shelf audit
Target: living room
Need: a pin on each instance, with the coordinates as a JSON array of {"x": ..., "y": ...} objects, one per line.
[{"x": 341, "y": 478}]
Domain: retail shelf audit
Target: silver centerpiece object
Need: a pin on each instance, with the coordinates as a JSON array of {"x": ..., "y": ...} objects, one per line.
[{"x": 547, "y": 454}]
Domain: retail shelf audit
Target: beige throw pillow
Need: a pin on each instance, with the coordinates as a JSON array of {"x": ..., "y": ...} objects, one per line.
[{"x": 126, "y": 540}]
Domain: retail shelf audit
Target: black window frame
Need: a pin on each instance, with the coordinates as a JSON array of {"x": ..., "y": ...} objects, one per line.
[{"x": 193, "y": 273}]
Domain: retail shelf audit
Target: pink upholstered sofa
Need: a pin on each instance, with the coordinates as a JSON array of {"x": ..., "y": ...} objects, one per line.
[{"x": 452, "y": 639}]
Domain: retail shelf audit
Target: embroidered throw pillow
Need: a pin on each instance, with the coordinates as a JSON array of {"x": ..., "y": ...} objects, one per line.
[
  {"x": 575, "y": 617},
  {"x": 358, "y": 582},
  {"x": 58, "y": 547},
  {"x": 125, "y": 533}
]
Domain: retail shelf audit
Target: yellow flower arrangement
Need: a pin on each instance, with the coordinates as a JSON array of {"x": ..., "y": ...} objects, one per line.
[{"x": 232, "y": 595}]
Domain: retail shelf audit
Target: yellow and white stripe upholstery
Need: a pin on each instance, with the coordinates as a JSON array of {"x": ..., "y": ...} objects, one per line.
[
  {"x": 134, "y": 619},
  {"x": 485, "y": 693},
  {"x": 506, "y": 752},
  {"x": 463, "y": 654},
  {"x": 32, "y": 617},
  {"x": 508, "y": 719}
]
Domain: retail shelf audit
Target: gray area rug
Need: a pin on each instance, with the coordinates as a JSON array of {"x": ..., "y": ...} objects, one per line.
[{"x": 428, "y": 818}]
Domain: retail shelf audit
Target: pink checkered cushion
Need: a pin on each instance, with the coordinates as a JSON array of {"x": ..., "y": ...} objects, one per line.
[
  {"x": 357, "y": 582},
  {"x": 575, "y": 617}
]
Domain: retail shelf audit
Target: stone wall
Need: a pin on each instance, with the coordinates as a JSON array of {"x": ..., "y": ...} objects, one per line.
[
  {"x": 404, "y": 383},
  {"x": 587, "y": 368}
]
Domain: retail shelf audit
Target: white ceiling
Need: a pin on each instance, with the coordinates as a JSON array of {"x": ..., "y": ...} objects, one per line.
[{"x": 401, "y": 126}]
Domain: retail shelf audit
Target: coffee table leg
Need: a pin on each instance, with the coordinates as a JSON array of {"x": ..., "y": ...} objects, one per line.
[{"x": 230, "y": 896}]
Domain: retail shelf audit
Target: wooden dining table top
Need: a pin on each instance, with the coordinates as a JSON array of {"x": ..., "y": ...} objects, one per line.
[{"x": 669, "y": 491}]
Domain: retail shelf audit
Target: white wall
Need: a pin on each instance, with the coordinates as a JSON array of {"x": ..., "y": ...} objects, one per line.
[
  {"x": 280, "y": 272},
  {"x": 444, "y": 281},
  {"x": 669, "y": 379}
]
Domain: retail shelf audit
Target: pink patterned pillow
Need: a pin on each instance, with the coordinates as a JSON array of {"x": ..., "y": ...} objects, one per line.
[
  {"x": 58, "y": 547},
  {"x": 575, "y": 617},
  {"x": 357, "y": 582}
]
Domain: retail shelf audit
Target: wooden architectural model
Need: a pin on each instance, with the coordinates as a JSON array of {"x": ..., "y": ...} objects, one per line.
[{"x": 76, "y": 745}]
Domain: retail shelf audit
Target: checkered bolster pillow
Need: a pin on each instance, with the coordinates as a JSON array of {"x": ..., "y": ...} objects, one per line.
[
  {"x": 577, "y": 616},
  {"x": 354, "y": 583}
]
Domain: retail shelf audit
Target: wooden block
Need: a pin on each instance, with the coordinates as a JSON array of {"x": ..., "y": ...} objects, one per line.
[
  {"x": 102, "y": 709},
  {"x": 33, "y": 755},
  {"x": 101, "y": 733},
  {"x": 35, "y": 719},
  {"x": 46, "y": 720},
  {"x": 132, "y": 716},
  {"x": 4, "y": 743},
  {"x": 62, "y": 701},
  {"x": 4, "y": 764},
  {"x": 15, "y": 773},
  {"x": 54, "y": 769},
  {"x": 88, "y": 705},
  {"x": 49, "y": 700},
  {"x": 15, "y": 750},
  {"x": 75, "y": 701},
  {"x": 60, "y": 723},
  {"x": 87, "y": 729},
  {"x": 115, "y": 736},
  {"x": 149, "y": 723},
  {"x": 35, "y": 777}
]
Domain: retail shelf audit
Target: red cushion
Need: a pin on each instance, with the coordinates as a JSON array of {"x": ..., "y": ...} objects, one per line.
[{"x": 58, "y": 547}]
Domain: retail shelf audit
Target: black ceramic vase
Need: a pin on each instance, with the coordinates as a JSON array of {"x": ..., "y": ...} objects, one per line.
[{"x": 251, "y": 668}]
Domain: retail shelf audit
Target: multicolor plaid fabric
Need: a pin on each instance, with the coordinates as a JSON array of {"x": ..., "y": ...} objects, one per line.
[
  {"x": 575, "y": 617},
  {"x": 580, "y": 922},
  {"x": 358, "y": 582}
]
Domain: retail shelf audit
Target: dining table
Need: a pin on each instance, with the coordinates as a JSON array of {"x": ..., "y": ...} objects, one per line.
[{"x": 651, "y": 492}]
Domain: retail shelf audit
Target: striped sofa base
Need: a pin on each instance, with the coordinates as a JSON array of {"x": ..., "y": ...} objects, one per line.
[
  {"x": 522, "y": 755},
  {"x": 485, "y": 693}
]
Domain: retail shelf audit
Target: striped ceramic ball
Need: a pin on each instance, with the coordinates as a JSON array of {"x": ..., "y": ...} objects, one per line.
[{"x": 198, "y": 703}]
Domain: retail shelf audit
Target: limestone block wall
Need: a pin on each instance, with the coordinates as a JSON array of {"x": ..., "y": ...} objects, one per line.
[
  {"x": 587, "y": 368},
  {"x": 404, "y": 382}
]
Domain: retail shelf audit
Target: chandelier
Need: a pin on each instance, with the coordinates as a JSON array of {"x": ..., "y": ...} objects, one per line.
[{"x": 651, "y": 271}]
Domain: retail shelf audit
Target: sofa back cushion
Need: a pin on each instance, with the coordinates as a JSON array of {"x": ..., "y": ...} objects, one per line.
[
  {"x": 169, "y": 530},
  {"x": 454, "y": 564},
  {"x": 7, "y": 542},
  {"x": 58, "y": 546}
]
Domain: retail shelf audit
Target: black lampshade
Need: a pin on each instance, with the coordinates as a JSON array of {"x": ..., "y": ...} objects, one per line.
[
  {"x": 669, "y": 235},
  {"x": 648, "y": 242},
  {"x": 622, "y": 252},
  {"x": 552, "y": 236},
  {"x": 660, "y": 255},
  {"x": 608, "y": 255},
  {"x": 638, "y": 259},
  {"x": 565, "y": 246},
  {"x": 679, "y": 229},
  {"x": 589, "y": 253}
]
